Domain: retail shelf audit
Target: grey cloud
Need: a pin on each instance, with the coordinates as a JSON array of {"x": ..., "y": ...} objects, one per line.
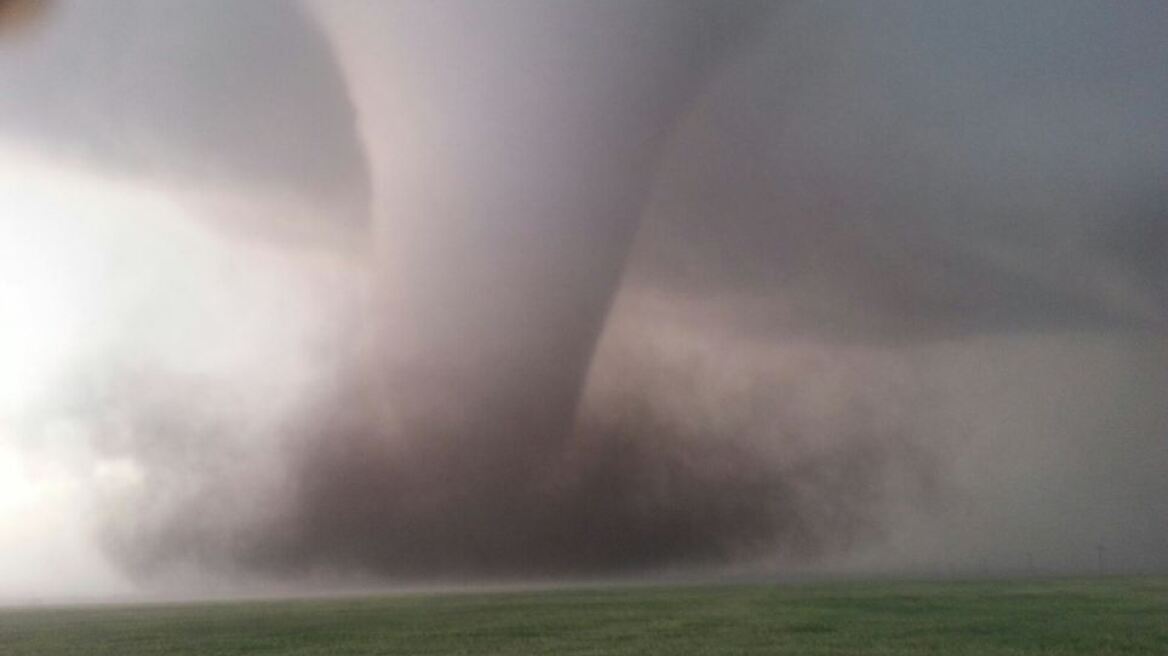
[
  {"x": 205, "y": 95},
  {"x": 906, "y": 170}
]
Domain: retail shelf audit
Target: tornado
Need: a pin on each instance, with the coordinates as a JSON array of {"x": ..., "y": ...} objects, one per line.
[{"x": 453, "y": 291}]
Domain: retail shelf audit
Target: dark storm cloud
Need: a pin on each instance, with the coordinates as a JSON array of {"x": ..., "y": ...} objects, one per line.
[{"x": 926, "y": 169}]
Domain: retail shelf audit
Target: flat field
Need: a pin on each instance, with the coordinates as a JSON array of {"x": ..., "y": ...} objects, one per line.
[{"x": 1104, "y": 616}]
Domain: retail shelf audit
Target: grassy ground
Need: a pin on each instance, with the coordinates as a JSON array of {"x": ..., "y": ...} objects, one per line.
[{"x": 1113, "y": 616}]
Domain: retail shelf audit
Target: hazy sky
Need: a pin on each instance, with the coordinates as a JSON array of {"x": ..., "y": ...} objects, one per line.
[{"x": 368, "y": 293}]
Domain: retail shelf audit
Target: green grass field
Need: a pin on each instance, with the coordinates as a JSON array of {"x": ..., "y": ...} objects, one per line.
[{"x": 1111, "y": 616}]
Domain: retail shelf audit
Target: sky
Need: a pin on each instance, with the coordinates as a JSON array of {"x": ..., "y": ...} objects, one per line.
[{"x": 300, "y": 296}]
